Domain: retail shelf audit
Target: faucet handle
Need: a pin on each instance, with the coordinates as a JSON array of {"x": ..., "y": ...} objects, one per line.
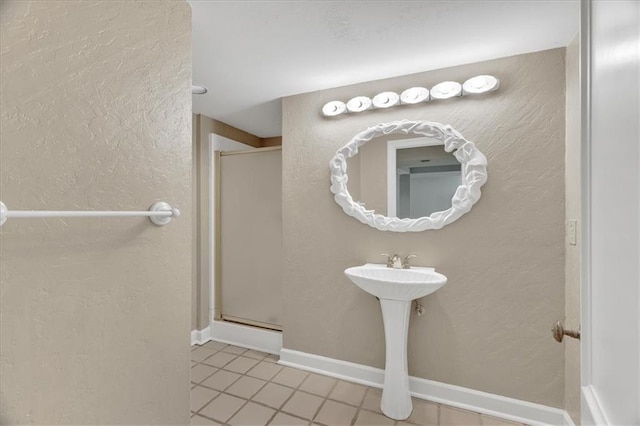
[
  {"x": 405, "y": 263},
  {"x": 389, "y": 262}
]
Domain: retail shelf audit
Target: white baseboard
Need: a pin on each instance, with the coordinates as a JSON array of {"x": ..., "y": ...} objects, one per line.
[
  {"x": 568, "y": 421},
  {"x": 239, "y": 335},
  {"x": 592, "y": 413},
  {"x": 200, "y": 337},
  {"x": 455, "y": 396}
]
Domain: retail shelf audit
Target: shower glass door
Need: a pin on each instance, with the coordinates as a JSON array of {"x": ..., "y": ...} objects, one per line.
[{"x": 250, "y": 237}]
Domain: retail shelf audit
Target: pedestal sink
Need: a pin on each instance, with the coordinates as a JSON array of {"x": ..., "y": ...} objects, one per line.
[{"x": 396, "y": 288}]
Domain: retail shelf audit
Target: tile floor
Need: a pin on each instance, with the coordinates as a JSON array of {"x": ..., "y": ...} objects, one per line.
[{"x": 240, "y": 387}]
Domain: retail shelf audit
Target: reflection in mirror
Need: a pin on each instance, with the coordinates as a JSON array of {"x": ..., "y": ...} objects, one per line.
[
  {"x": 419, "y": 176},
  {"x": 425, "y": 180}
]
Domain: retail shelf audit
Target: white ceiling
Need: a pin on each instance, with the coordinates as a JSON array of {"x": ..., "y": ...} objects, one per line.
[{"x": 250, "y": 54}]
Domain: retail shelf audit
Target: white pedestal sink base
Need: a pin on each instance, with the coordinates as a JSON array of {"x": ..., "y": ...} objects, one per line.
[
  {"x": 396, "y": 397},
  {"x": 396, "y": 288}
]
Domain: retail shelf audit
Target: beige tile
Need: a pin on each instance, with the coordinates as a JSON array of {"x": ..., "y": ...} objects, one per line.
[
  {"x": 372, "y": 400},
  {"x": 201, "y": 396},
  {"x": 272, "y": 358},
  {"x": 222, "y": 408},
  {"x": 241, "y": 365},
  {"x": 303, "y": 405},
  {"x": 348, "y": 392},
  {"x": 198, "y": 420},
  {"x": 367, "y": 418},
  {"x": 255, "y": 354},
  {"x": 424, "y": 413},
  {"x": 495, "y": 421},
  {"x": 235, "y": 350},
  {"x": 282, "y": 419},
  {"x": 215, "y": 346},
  {"x": 336, "y": 414},
  {"x": 252, "y": 414},
  {"x": 317, "y": 384},
  {"x": 219, "y": 359},
  {"x": 221, "y": 380},
  {"x": 273, "y": 395},
  {"x": 455, "y": 417},
  {"x": 290, "y": 377},
  {"x": 264, "y": 370},
  {"x": 201, "y": 353},
  {"x": 245, "y": 387},
  {"x": 201, "y": 372}
]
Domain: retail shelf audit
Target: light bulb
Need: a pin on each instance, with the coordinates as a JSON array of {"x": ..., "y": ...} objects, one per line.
[
  {"x": 446, "y": 90},
  {"x": 333, "y": 108},
  {"x": 480, "y": 84},
  {"x": 385, "y": 99},
  {"x": 358, "y": 104},
  {"x": 414, "y": 95}
]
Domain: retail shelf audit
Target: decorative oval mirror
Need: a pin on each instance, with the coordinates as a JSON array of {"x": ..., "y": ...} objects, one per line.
[{"x": 417, "y": 175}]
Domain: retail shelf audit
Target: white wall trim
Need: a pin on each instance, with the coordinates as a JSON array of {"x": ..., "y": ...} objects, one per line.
[
  {"x": 586, "y": 349},
  {"x": 568, "y": 421},
  {"x": 592, "y": 412},
  {"x": 200, "y": 337},
  {"x": 248, "y": 337},
  {"x": 455, "y": 396}
]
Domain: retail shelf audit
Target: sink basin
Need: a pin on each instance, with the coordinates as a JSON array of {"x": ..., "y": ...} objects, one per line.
[
  {"x": 396, "y": 284},
  {"x": 396, "y": 288}
]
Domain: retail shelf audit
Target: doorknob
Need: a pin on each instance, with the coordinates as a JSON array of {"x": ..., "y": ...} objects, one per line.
[{"x": 559, "y": 332}]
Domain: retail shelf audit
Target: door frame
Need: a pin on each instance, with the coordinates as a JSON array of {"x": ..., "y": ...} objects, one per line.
[{"x": 591, "y": 409}]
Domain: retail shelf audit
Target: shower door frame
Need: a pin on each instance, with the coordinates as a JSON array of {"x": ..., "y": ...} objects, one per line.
[{"x": 215, "y": 286}]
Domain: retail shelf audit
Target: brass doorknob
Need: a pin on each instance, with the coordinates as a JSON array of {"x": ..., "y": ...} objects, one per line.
[{"x": 559, "y": 332}]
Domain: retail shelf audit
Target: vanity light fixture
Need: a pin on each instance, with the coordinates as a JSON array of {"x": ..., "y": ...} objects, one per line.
[
  {"x": 333, "y": 108},
  {"x": 480, "y": 84},
  {"x": 414, "y": 95},
  {"x": 386, "y": 99},
  {"x": 446, "y": 90},
  {"x": 198, "y": 90},
  {"x": 358, "y": 104}
]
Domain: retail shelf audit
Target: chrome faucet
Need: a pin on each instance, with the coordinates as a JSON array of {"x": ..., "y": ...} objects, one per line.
[
  {"x": 405, "y": 262},
  {"x": 396, "y": 261},
  {"x": 393, "y": 261}
]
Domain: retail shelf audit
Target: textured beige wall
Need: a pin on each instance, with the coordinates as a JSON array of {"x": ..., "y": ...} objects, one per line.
[
  {"x": 488, "y": 328},
  {"x": 200, "y": 291},
  {"x": 94, "y": 313},
  {"x": 572, "y": 256}
]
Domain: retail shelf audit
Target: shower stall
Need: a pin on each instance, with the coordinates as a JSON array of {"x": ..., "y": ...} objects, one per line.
[{"x": 248, "y": 237}]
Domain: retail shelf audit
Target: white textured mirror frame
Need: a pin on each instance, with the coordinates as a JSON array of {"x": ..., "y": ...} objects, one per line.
[{"x": 474, "y": 175}]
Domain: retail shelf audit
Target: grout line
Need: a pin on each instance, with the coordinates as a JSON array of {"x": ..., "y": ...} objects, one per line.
[
  {"x": 221, "y": 393},
  {"x": 359, "y": 408},
  {"x": 325, "y": 399},
  {"x": 294, "y": 390}
]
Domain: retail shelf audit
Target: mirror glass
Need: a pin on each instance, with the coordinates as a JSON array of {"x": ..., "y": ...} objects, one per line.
[
  {"x": 404, "y": 177},
  {"x": 399, "y": 176}
]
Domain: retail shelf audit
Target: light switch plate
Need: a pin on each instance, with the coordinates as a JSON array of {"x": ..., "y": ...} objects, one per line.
[{"x": 571, "y": 231}]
